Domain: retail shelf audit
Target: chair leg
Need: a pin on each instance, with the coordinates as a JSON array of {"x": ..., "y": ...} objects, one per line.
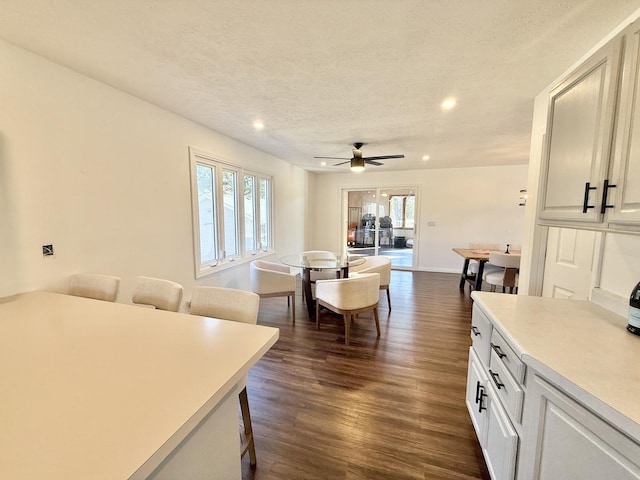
[
  {"x": 375, "y": 316},
  {"x": 347, "y": 327},
  {"x": 389, "y": 298},
  {"x": 317, "y": 315},
  {"x": 248, "y": 429},
  {"x": 293, "y": 307}
]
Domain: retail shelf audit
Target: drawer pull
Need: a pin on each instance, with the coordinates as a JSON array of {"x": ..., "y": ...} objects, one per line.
[
  {"x": 498, "y": 350},
  {"x": 481, "y": 407},
  {"x": 475, "y": 331},
  {"x": 496, "y": 379}
]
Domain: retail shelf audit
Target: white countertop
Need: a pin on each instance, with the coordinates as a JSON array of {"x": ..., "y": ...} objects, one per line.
[
  {"x": 92, "y": 389},
  {"x": 581, "y": 347}
]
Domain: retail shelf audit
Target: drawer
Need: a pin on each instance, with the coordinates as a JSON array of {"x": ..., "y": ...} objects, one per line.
[
  {"x": 481, "y": 334},
  {"x": 507, "y": 356},
  {"x": 509, "y": 391}
]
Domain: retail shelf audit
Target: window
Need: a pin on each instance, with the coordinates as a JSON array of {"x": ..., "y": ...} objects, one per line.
[
  {"x": 231, "y": 212},
  {"x": 402, "y": 208}
]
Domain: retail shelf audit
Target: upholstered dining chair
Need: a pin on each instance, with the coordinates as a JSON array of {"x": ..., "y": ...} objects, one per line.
[
  {"x": 315, "y": 255},
  {"x": 270, "y": 279},
  {"x": 507, "y": 276},
  {"x": 377, "y": 264},
  {"x": 488, "y": 266},
  {"x": 94, "y": 285},
  {"x": 238, "y": 306},
  {"x": 348, "y": 297},
  {"x": 159, "y": 293}
]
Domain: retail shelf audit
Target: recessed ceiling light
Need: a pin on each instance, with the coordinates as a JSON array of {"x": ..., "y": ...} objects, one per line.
[
  {"x": 323, "y": 164},
  {"x": 449, "y": 103},
  {"x": 426, "y": 157},
  {"x": 258, "y": 125}
]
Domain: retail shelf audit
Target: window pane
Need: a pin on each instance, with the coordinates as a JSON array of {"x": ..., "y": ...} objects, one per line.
[
  {"x": 230, "y": 213},
  {"x": 396, "y": 211},
  {"x": 409, "y": 212},
  {"x": 265, "y": 213},
  {"x": 206, "y": 213},
  {"x": 249, "y": 213}
]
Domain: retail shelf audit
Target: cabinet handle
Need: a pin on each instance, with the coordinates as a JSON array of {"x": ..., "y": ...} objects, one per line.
[
  {"x": 496, "y": 379},
  {"x": 481, "y": 407},
  {"x": 585, "y": 203},
  {"x": 498, "y": 350},
  {"x": 605, "y": 193},
  {"x": 475, "y": 331},
  {"x": 478, "y": 388}
]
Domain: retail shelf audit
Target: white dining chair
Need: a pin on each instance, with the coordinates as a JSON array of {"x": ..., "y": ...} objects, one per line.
[
  {"x": 159, "y": 293},
  {"x": 377, "y": 264},
  {"x": 349, "y": 296},
  {"x": 474, "y": 265},
  {"x": 507, "y": 276},
  {"x": 94, "y": 285},
  {"x": 270, "y": 279},
  {"x": 310, "y": 256},
  {"x": 238, "y": 306}
]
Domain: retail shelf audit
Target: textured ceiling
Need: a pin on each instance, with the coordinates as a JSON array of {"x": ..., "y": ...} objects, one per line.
[{"x": 326, "y": 73}]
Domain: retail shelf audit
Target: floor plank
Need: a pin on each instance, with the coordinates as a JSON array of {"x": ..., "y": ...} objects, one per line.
[{"x": 381, "y": 408}]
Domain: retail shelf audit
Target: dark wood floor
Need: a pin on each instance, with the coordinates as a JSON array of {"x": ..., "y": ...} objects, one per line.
[{"x": 387, "y": 408}]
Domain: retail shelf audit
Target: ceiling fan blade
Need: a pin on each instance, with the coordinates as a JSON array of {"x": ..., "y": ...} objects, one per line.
[
  {"x": 371, "y": 162},
  {"x": 384, "y": 157},
  {"x": 334, "y": 158},
  {"x": 342, "y": 163}
]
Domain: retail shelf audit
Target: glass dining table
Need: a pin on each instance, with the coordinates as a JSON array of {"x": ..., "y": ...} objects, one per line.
[{"x": 330, "y": 262}]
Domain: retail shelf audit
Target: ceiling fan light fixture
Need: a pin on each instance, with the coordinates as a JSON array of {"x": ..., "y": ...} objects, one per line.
[{"x": 357, "y": 164}]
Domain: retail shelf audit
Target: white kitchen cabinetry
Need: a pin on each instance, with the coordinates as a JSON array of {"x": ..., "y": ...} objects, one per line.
[
  {"x": 565, "y": 440},
  {"x": 561, "y": 389},
  {"x": 494, "y": 398},
  {"x": 591, "y": 166},
  {"x": 625, "y": 171}
]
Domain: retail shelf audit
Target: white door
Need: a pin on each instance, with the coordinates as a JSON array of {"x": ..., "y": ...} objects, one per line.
[{"x": 570, "y": 263}]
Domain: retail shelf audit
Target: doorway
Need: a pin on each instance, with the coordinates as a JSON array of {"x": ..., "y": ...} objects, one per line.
[{"x": 382, "y": 221}]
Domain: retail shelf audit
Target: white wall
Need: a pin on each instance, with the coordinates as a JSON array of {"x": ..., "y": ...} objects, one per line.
[
  {"x": 477, "y": 205},
  {"x": 105, "y": 177}
]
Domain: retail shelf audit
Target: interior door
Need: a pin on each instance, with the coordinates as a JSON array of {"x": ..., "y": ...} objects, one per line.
[{"x": 570, "y": 263}]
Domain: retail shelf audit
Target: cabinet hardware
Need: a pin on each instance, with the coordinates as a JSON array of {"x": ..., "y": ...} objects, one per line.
[
  {"x": 498, "y": 350},
  {"x": 478, "y": 388},
  {"x": 496, "y": 379},
  {"x": 475, "y": 331},
  {"x": 585, "y": 203},
  {"x": 605, "y": 193},
  {"x": 481, "y": 407}
]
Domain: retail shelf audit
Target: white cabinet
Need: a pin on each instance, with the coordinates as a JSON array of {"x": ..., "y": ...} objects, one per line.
[
  {"x": 625, "y": 171},
  {"x": 564, "y": 440},
  {"x": 494, "y": 396},
  {"x": 501, "y": 443},
  {"x": 591, "y": 162}
]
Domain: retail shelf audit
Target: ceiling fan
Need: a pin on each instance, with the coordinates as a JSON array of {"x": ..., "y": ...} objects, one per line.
[{"x": 358, "y": 161}]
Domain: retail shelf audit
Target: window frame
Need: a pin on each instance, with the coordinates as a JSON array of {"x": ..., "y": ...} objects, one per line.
[
  {"x": 223, "y": 261},
  {"x": 404, "y": 210}
]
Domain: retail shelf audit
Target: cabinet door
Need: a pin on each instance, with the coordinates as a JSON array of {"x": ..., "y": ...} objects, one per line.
[
  {"x": 501, "y": 444},
  {"x": 578, "y": 138},
  {"x": 625, "y": 170},
  {"x": 477, "y": 399},
  {"x": 562, "y": 439}
]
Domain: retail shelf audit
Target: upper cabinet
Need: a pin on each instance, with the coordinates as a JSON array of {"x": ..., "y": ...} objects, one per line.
[{"x": 591, "y": 162}]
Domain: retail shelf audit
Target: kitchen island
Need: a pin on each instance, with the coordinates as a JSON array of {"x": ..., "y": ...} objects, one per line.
[
  {"x": 554, "y": 385},
  {"x": 99, "y": 390}
]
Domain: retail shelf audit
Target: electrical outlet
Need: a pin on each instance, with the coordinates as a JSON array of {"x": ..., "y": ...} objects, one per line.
[{"x": 47, "y": 250}]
